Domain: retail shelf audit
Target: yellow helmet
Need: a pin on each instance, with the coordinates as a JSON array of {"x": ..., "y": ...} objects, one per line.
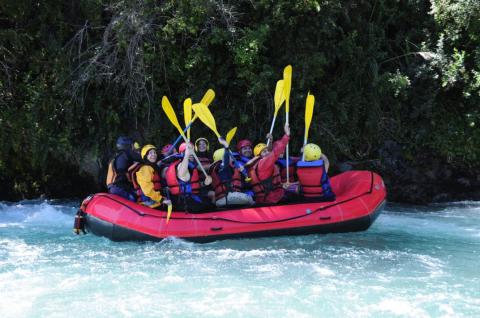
[
  {"x": 218, "y": 154},
  {"x": 312, "y": 152},
  {"x": 258, "y": 149},
  {"x": 146, "y": 149}
]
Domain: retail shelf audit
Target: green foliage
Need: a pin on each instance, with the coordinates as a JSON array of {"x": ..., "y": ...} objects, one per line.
[{"x": 74, "y": 75}]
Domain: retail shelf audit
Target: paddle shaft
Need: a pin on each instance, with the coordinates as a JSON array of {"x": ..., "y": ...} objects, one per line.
[
  {"x": 271, "y": 128},
  {"x": 304, "y": 143},
  {"x": 180, "y": 136}
]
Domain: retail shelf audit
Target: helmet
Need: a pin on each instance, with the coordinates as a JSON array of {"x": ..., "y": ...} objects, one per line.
[
  {"x": 200, "y": 139},
  {"x": 218, "y": 154},
  {"x": 182, "y": 147},
  {"x": 243, "y": 143},
  {"x": 136, "y": 145},
  {"x": 124, "y": 142},
  {"x": 146, "y": 149},
  {"x": 312, "y": 152},
  {"x": 258, "y": 149},
  {"x": 166, "y": 148}
]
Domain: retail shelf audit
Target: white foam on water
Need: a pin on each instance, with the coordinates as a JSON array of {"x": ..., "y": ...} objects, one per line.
[
  {"x": 17, "y": 252},
  {"x": 38, "y": 214},
  {"x": 399, "y": 307},
  {"x": 323, "y": 271}
]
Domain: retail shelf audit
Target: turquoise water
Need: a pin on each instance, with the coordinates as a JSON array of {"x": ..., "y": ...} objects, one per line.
[{"x": 413, "y": 262}]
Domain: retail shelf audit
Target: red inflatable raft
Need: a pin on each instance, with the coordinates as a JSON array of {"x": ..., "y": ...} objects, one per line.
[{"x": 360, "y": 197}]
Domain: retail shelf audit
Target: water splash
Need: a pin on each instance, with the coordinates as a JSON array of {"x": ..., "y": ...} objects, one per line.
[{"x": 414, "y": 261}]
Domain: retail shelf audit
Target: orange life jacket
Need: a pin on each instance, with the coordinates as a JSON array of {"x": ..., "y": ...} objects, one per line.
[
  {"x": 178, "y": 187},
  {"x": 313, "y": 179},
  {"x": 222, "y": 187},
  {"x": 111, "y": 174},
  {"x": 262, "y": 188}
]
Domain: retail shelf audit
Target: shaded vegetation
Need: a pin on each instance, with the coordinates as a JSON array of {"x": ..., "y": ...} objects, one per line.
[{"x": 402, "y": 75}]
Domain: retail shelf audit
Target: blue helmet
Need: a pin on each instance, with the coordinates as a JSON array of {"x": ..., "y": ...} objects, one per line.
[{"x": 124, "y": 142}]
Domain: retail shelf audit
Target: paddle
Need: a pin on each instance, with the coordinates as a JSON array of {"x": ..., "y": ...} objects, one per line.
[
  {"x": 278, "y": 100},
  {"x": 169, "y": 212},
  {"x": 309, "y": 104},
  {"x": 187, "y": 114},
  {"x": 287, "y": 86},
  {"x": 206, "y": 117},
  {"x": 206, "y": 100},
  {"x": 230, "y": 135},
  {"x": 168, "y": 109}
]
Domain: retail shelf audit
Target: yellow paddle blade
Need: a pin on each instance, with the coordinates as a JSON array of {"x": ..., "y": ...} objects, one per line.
[
  {"x": 187, "y": 113},
  {"x": 287, "y": 85},
  {"x": 279, "y": 97},
  {"x": 208, "y": 97},
  {"x": 169, "y": 212},
  {"x": 308, "y": 112},
  {"x": 230, "y": 135},
  {"x": 168, "y": 109},
  {"x": 206, "y": 117}
]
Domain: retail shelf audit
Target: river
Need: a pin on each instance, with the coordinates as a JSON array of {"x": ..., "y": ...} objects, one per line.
[{"x": 413, "y": 262}]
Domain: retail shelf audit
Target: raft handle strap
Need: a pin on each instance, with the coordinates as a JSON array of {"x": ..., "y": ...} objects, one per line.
[{"x": 79, "y": 223}]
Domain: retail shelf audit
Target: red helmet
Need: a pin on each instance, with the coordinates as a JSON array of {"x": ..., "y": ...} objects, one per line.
[
  {"x": 243, "y": 143},
  {"x": 183, "y": 146},
  {"x": 166, "y": 148}
]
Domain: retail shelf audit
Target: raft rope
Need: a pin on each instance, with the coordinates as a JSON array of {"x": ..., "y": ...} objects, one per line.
[
  {"x": 79, "y": 224},
  {"x": 249, "y": 222}
]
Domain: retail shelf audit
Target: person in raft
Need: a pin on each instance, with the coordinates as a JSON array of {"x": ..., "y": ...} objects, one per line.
[
  {"x": 183, "y": 182},
  {"x": 227, "y": 179},
  {"x": 202, "y": 148},
  {"x": 117, "y": 177},
  {"x": 167, "y": 151},
  {"x": 265, "y": 174},
  {"x": 146, "y": 179},
  {"x": 312, "y": 174},
  {"x": 292, "y": 167},
  {"x": 245, "y": 151}
]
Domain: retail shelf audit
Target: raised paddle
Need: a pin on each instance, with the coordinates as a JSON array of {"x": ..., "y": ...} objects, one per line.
[
  {"x": 309, "y": 104},
  {"x": 168, "y": 109},
  {"x": 278, "y": 100},
  {"x": 206, "y": 117},
  {"x": 187, "y": 114},
  {"x": 208, "y": 97},
  {"x": 206, "y": 100},
  {"x": 287, "y": 86},
  {"x": 230, "y": 135}
]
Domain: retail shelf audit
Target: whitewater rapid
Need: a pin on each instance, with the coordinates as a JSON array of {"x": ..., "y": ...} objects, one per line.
[{"x": 413, "y": 262}]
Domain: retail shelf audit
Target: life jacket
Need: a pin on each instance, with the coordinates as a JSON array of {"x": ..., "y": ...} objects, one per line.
[
  {"x": 262, "y": 188},
  {"x": 179, "y": 187},
  {"x": 204, "y": 159},
  {"x": 112, "y": 175},
  {"x": 132, "y": 176},
  {"x": 222, "y": 187},
  {"x": 313, "y": 179},
  {"x": 282, "y": 164}
]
